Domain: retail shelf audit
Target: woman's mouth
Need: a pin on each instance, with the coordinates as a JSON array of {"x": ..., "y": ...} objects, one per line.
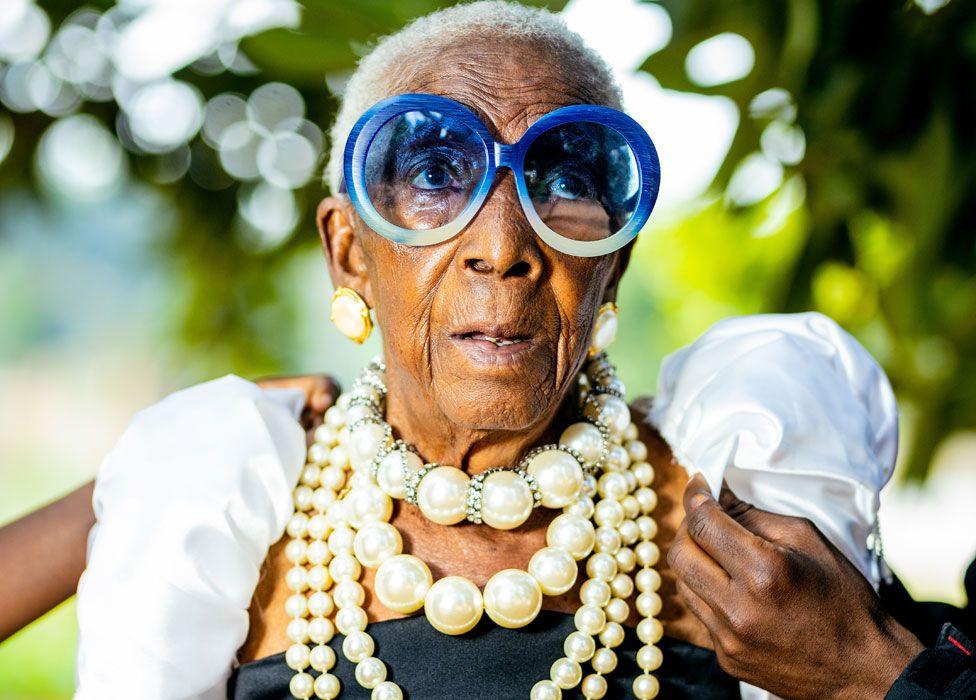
[{"x": 496, "y": 347}]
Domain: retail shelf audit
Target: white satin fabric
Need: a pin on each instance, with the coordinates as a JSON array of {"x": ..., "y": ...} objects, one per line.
[
  {"x": 187, "y": 505},
  {"x": 793, "y": 413}
]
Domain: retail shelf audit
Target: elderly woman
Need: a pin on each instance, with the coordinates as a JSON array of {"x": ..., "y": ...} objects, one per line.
[{"x": 485, "y": 472}]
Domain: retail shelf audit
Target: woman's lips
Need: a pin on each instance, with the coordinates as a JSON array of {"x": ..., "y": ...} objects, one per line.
[{"x": 493, "y": 348}]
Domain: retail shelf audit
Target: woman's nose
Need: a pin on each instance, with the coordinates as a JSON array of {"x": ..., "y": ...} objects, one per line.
[{"x": 499, "y": 241}]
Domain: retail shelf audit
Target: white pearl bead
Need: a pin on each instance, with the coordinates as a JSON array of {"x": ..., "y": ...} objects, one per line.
[
  {"x": 647, "y": 580},
  {"x": 646, "y": 498},
  {"x": 335, "y": 417},
  {"x": 647, "y": 553},
  {"x": 617, "y": 459},
  {"x": 359, "y": 412},
  {"x": 318, "y": 553},
  {"x": 589, "y": 485},
  {"x": 559, "y": 476},
  {"x": 595, "y": 592},
  {"x": 612, "y": 485},
  {"x": 607, "y": 540},
  {"x": 594, "y": 687},
  {"x": 585, "y": 438},
  {"x": 554, "y": 569},
  {"x": 506, "y": 500},
  {"x": 296, "y": 579},
  {"x": 608, "y": 513},
  {"x": 442, "y": 495},
  {"x": 572, "y": 533},
  {"x": 371, "y": 504},
  {"x": 629, "y": 503},
  {"x": 612, "y": 635},
  {"x": 358, "y": 646},
  {"x": 453, "y": 605},
  {"x": 648, "y": 604},
  {"x": 296, "y": 605},
  {"x": 296, "y": 657},
  {"x": 376, "y": 542},
  {"x": 318, "y": 578},
  {"x": 622, "y": 586},
  {"x": 341, "y": 540},
  {"x": 318, "y": 527},
  {"x": 370, "y": 672},
  {"x": 617, "y": 610},
  {"x": 364, "y": 442},
  {"x": 649, "y": 658},
  {"x": 612, "y": 411},
  {"x": 390, "y": 476},
  {"x": 344, "y": 567},
  {"x": 649, "y": 630},
  {"x": 545, "y": 690},
  {"x": 512, "y": 598},
  {"x": 339, "y": 457},
  {"x": 604, "y": 661},
  {"x": 647, "y": 526},
  {"x": 644, "y": 473},
  {"x": 631, "y": 432},
  {"x": 333, "y": 477},
  {"x": 327, "y": 687},
  {"x": 604, "y": 329},
  {"x": 590, "y": 619},
  {"x": 348, "y": 593},
  {"x": 337, "y": 514},
  {"x": 322, "y": 658},
  {"x": 637, "y": 450},
  {"x": 387, "y": 690},
  {"x": 295, "y": 551},
  {"x": 629, "y": 532},
  {"x": 301, "y": 685},
  {"x": 320, "y": 604},
  {"x": 322, "y": 499},
  {"x": 297, "y": 525},
  {"x": 318, "y": 454},
  {"x": 402, "y": 582},
  {"x": 320, "y": 630},
  {"x": 645, "y": 687},
  {"x": 310, "y": 475},
  {"x": 351, "y": 619},
  {"x": 566, "y": 673},
  {"x": 601, "y": 566},
  {"x": 297, "y": 630},
  {"x": 582, "y": 506},
  {"x": 325, "y": 434},
  {"x": 579, "y": 646},
  {"x": 626, "y": 559}
]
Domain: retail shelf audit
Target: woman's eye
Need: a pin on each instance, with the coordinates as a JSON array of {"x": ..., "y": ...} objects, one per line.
[
  {"x": 567, "y": 187},
  {"x": 432, "y": 177}
]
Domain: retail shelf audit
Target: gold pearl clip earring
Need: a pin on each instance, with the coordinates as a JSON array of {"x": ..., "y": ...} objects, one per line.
[
  {"x": 604, "y": 328},
  {"x": 350, "y": 314}
]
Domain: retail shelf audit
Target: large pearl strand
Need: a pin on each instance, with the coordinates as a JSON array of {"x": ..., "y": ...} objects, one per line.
[{"x": 341, "y": 525}]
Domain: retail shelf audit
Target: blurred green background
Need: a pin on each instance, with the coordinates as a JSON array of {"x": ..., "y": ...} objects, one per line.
[{"x": 159, "y": 166}]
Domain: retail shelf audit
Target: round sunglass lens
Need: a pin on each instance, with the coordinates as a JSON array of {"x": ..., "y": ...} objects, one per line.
[
  {"x": 583, "y": 180},
  {"x": 422, "y": 169}
]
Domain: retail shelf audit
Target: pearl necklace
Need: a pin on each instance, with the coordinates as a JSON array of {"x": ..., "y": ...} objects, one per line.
[{"x": 349, "y": 529}]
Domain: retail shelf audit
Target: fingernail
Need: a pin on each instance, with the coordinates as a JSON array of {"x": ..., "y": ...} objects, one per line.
[{"x": 698, "y": 499}]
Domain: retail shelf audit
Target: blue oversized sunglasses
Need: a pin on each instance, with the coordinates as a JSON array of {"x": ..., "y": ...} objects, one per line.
[{"x": 419, "y": 167}]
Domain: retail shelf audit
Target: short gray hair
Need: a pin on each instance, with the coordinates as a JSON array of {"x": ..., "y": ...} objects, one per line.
[{"x": 374, "y": 77}]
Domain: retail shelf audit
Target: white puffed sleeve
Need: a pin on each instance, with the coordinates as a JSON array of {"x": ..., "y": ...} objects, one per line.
[
  {"x": 796, "y": 416},
  {"x": 187, "y": 505}
]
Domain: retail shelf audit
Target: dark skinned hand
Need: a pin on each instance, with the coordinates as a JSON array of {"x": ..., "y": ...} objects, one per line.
[{"x": 786, "y": 610}]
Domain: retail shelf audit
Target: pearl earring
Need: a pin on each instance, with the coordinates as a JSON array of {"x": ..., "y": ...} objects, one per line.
[
  {"x": 350, "y": 314},
  {"x": 604, "y": 328}
]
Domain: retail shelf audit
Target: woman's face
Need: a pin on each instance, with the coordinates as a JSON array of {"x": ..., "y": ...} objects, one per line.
[{"x": 491, "y": 326}]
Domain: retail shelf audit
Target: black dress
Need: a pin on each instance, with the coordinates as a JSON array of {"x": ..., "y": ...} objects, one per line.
[
  {"x": 490, "y": 663},
  {"x": 494, "y": 663}
]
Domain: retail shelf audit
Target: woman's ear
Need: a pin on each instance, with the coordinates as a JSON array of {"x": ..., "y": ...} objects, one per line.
[{"x": 343, "y": 250}]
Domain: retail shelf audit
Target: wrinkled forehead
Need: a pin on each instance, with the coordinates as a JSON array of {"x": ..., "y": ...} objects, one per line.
[{"x": 509, "y": 83}]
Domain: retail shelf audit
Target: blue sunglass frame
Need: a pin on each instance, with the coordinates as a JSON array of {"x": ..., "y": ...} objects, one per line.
[{"x": 499, "y": 155}]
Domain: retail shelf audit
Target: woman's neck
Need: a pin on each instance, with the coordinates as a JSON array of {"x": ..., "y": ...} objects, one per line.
[{"x": 417, "y": 419}]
